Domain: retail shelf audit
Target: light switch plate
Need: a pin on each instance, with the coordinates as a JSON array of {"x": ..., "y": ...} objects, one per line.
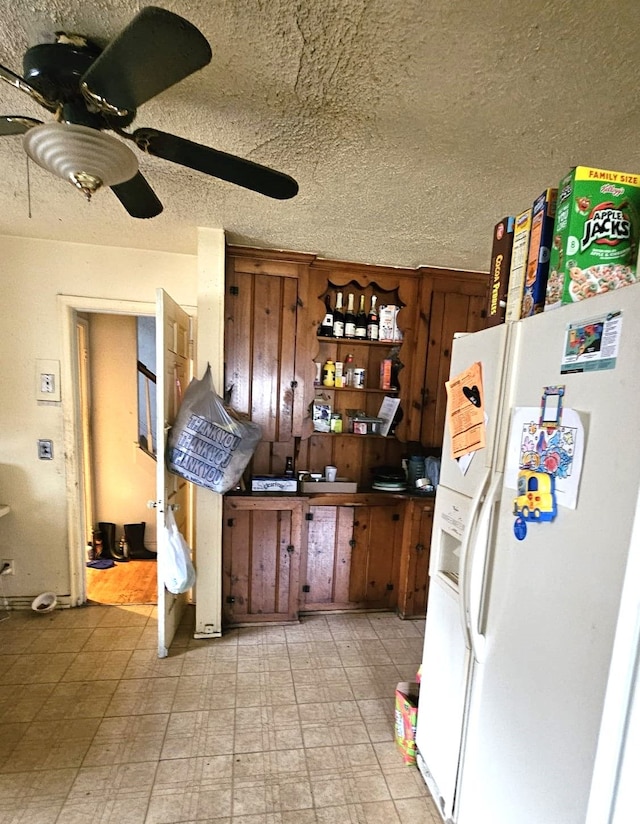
[
  {"x": 45, "y": 450},
  {"x": 48, "y": 380}
]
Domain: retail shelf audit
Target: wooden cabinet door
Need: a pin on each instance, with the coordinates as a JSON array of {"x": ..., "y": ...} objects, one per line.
[
  {"x": 375, "y": 557},
  {"x": 262, "y": 541},
  {"x": 262, "y": 375},
  {"x": 414, "y": 564},
  {"x": 327, "y": 565},
  {"x": 450, "y": 303}
]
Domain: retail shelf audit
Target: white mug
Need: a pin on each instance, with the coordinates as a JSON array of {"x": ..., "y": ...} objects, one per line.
[{"x": 330, "y": 473}]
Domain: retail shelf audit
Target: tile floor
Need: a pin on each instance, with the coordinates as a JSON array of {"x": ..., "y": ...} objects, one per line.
[{"x": 266, "y": 725}]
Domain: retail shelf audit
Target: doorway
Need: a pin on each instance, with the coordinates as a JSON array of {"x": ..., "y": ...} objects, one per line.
[{"x": 118, "y": 460}]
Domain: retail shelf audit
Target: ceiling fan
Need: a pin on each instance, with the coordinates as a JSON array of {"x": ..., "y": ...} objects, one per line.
[{"x": 91, "y": 91}]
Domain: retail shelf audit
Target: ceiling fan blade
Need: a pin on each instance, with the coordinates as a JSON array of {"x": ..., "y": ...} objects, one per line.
[
  {"x": 21, "y": 84},
  {"x": 212, "y": 162},
  {"x": 16, "y": 124},
  {"x": 137, "y": 197},
  {"x": 157, "y": 49}
]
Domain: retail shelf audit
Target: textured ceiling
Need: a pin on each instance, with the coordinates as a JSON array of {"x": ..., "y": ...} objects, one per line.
[{"x": 411, "y": 126}]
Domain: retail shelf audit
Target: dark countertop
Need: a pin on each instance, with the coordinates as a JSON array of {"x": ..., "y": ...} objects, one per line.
[{"x": 365, "y": 497}]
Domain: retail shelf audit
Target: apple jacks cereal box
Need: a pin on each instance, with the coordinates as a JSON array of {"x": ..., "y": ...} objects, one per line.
[{"x": 595, "y": 237}]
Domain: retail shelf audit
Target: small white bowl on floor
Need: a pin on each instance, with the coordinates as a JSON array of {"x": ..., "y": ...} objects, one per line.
[{"x": 45, "y": 602}]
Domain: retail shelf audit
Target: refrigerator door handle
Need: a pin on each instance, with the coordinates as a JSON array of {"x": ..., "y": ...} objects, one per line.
[
  {"x": 463, "y": 574},
  {"x": 475, "y": 572}
]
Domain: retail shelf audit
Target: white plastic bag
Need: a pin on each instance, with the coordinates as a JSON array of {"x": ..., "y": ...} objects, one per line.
[
  {"x": 210, "y": 444},
  {"x": 179, "y": 574}
]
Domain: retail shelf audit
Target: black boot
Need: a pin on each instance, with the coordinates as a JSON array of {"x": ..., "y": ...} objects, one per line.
[
  {"x": 108, "y": 532},
  {"x": 134, "y": 535}
]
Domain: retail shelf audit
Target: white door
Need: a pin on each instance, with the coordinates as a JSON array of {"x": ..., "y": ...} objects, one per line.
[
  {"x": 445, "y": 664},
  {"x": 489, "y": 347},
  {"x": 446, "y": 655},
  {"x": 174, "y": 367}
]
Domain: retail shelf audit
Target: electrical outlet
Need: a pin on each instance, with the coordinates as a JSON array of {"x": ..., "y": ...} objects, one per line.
[{"x": 6, "y": 567}]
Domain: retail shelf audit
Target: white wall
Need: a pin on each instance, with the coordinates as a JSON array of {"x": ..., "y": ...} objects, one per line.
[
  {"x": 32, "y": 273},
  {"x": 124, "y": 475}
]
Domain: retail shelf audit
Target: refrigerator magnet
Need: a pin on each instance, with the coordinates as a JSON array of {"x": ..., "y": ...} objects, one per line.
[
  {"x": 520, "y": 528},
  {"x": 536, "y": 499},
  {"x": 592, "y": 344}
]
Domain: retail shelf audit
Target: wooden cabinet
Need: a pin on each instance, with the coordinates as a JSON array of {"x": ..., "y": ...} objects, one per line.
[
  {"x": 355, "y": 455},
  {"x": 367, "y": 550},
  {"x": 262, "y": 361},
  {"x": 450, "y": 302},
  {"x": 285, "y": 555},
  {"x": 375, "y": 559},
  {"x": 326, "y": 568},
  {"x": 262, "y": 542},
  {"x": 414, "y": 562},
  {"x": 353, "y": 556}
]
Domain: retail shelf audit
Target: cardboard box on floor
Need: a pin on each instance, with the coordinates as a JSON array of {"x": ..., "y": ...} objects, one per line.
[{"x": 406, "y": 715}]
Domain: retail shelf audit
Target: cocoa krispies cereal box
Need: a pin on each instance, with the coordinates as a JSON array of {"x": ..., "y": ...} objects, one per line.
[
  {"x": 595, "y": 236},
  {"x": 500, "y": 266}
]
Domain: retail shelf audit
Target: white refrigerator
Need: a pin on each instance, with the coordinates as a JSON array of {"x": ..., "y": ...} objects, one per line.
[{"x": 530, "y": 662}]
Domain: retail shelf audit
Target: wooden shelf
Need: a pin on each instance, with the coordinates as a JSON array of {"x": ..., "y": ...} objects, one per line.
[
  {"x": 359, "y": 391},
  {"x": 353, "y": 435},
  {"x": 361, "y": 341}
]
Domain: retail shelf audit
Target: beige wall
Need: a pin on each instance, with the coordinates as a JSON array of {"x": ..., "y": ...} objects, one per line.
[
  {"x": 32, "y": 274},
  {"x": 124, "y": 475}
]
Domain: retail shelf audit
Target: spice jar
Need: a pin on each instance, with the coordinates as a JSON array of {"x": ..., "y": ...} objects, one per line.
[{"x": 359, "y": 378}]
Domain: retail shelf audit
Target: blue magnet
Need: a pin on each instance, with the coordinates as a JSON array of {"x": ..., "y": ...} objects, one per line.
[{"x": 520, "y": 528}]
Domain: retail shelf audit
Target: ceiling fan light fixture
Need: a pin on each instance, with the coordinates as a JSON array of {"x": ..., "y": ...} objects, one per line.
[{"x": 87, "y": 158}]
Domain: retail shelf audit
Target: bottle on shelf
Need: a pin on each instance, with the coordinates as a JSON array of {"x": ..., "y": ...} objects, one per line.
[
  {"x": 288, "y": 468},
  {"x": 373, "y": 323},
  {"x": 338, "y": 318},
  {"x": 329, "y": 373},
  {"x": 361, "y": 320},
  {"x": 348, "y": 370},
  {"x": 350, "y": 318},
  {"x": 325, "y": 329}
]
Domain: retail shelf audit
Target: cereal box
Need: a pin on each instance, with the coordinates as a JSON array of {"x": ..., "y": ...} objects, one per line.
[
  {"x": 595, "y": 237},
  {"x": 535, "y": 281},
  {"x": 499, "y": 273},
  {"x": 321, "y": 413},
  {"x": 521, "y": 235},
  {"x": 406, "y": 716},
  {"x": 387, "y": 318}
]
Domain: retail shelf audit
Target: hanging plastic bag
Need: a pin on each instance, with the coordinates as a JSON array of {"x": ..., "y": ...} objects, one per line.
[
  {"x": 210, "y": 444},
  {"x": 178, "y": 571}
]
